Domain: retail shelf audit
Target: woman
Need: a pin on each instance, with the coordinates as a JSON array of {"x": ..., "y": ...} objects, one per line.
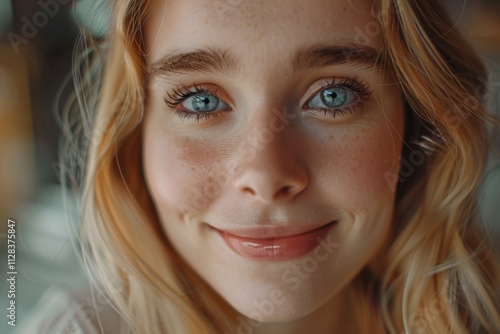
[{"x": 277, "y": 167}]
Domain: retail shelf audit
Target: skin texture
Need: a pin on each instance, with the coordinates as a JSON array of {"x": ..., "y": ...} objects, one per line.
[{"x": 249, "y": 167}]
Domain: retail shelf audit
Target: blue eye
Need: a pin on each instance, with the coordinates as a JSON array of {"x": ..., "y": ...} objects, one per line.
[
  {"x": 196, "y": 102},
  {"x": 332, "y": 98},
  {"x": 204, "y": 102}
]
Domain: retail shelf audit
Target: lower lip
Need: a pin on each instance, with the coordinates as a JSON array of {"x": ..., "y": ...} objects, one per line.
[{"x": 277, "y": 249}]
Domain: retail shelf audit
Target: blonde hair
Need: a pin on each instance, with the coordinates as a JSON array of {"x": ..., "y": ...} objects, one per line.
[{"x": 438, "y": 273}]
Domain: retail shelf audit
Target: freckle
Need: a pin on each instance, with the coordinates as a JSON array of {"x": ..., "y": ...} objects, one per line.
[{"x": 196, "y": 153}]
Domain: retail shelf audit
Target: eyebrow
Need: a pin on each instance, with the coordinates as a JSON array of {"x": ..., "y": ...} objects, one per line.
[
  {"x": 220, "y": 61},
  {"x": 321, "y": 56},
  {"x": 197, "y": 61}
]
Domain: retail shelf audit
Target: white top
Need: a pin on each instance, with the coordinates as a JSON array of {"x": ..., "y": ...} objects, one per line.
[{"x": 60, "y": 311}]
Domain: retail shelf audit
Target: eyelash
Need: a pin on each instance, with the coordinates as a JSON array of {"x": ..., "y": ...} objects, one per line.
[
  {"x": 179, "y": 94},
  {"x": 354, "y": 84}
]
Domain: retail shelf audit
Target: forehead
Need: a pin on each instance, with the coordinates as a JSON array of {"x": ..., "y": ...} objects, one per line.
[{"x": 256, "y": 28}]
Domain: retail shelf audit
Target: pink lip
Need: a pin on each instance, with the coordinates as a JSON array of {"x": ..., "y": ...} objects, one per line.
[{"x": 279, "y": 244}]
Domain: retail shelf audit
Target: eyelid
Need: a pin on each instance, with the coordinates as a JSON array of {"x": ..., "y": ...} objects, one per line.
[
  {"x": 182, "y": 93},
  {"x": 193, "y": 89},
  {"x": 219, "y": 92},
  {"x": 356, "y": 85}
]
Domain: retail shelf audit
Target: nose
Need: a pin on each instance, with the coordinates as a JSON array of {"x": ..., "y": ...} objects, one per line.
[{"x": 270, "y": 169}]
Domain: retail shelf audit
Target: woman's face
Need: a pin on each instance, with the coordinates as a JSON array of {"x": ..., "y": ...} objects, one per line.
[{"x": 271, "y": 144}]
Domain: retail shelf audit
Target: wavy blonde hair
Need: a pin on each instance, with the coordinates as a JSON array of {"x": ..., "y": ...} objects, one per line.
[{"x": 438, "y": 273}]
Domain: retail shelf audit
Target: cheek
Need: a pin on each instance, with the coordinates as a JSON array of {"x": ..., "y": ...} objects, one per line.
[
  {"x": 354, "y": 167},
  {"x": 180, "y": 171},
  {"x": 352, "y": 177},
  {"x": 372, "y": 159}
]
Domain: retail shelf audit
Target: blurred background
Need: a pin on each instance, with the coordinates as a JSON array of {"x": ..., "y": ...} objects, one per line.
[{"x": 36, "y": 47}]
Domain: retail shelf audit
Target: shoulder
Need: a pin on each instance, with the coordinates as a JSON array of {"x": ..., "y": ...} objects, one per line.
[{"x": 71, "y": 311}]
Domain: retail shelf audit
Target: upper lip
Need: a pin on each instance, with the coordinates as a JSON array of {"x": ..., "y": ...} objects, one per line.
[{"x": 271, "y": 231}]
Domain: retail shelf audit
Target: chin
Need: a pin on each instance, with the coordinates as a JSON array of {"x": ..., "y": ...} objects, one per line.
[
  {"x": 267, "y": 313},
  {"x": 278, "y": 305}
]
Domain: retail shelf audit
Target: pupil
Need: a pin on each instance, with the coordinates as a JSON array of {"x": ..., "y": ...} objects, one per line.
[
  {"x": 334, "y": 97},
  {"x": 204, "y": 103},
  {"x": 331, "y": 95}
]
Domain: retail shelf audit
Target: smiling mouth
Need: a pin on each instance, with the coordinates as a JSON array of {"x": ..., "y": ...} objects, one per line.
[{"x": 281, "y": 246}]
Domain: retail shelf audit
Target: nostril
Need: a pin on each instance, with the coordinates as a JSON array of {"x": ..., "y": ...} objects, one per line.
[
  {"x": 274, "y": 182},
  {"x": 285, "y": 191},
  {"x": 248, "y": 190}
]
